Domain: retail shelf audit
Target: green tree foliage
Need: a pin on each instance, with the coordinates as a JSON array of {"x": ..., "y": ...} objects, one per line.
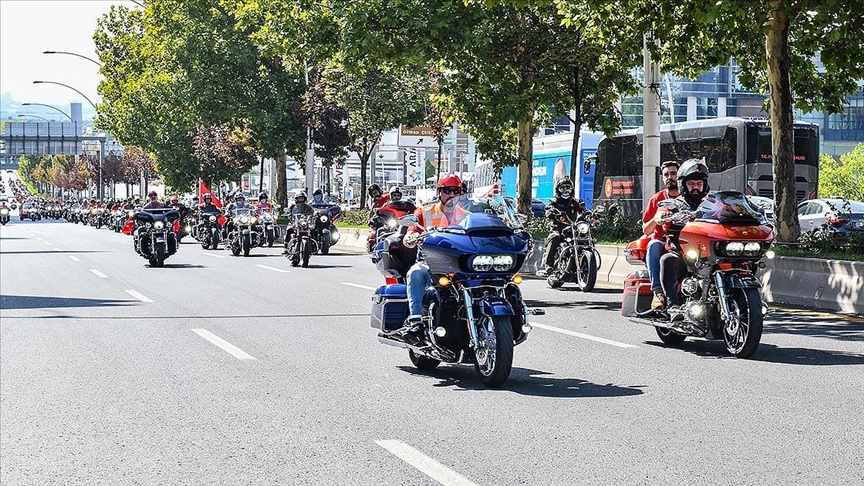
[
  {"x": 843, "y": 177},
  {"x": 222, "y": 153}
]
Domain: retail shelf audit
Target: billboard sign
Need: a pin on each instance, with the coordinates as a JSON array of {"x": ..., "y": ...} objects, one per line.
[{"x": 417, "y": 137}]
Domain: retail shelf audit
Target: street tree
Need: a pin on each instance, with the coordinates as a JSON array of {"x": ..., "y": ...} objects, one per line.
[
  {"x": 222, "y": 153},
  {"x": 843, "y": 176}
]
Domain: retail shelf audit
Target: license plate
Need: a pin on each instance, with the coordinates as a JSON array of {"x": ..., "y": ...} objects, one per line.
[{"x": 160, "y": 240}]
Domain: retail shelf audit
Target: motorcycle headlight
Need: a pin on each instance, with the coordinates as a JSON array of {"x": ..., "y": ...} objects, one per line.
[
  {"x": 734, "y": 248},
  {"x": 158, "y": 225},
  {"x": 392, "y": 223},
  {"x": 583, "y": 228},
  {"x": 212, "y": 219},
  {"x": 502, "y": 263},
  {"x": 482, "y": 263},
  {"x": 251, "y": 220},
  {"x": 244, "y": 219},
  {"x": 752, "y": 249},
  {"x": 267, "y": 217},
  {"x": 130, "y": 213},
  {"x": 188, "y": 229},
  {"x": 4, "y": 212},
  {"x": 324, "y": 219}
]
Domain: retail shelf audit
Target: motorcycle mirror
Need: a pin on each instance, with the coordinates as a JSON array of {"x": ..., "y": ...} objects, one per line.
[
  {"x": 599, "y": 210},
  {"x": 666, "y": 203},
  {"x": 409, "y": 220},
  {"x": 521, "y": 218}
]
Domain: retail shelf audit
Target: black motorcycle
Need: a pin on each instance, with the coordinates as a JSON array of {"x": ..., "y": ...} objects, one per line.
[
  {"x": 153, "y": 237},
  {"x": 4, "y": 216},
  {"x": 302, "y": 245},
  {"x": 269, "y": 230},
  {"x": 577, "y": 259},
  {"x": 209, "y": 230},
  {"x": 324, "y": 231}
]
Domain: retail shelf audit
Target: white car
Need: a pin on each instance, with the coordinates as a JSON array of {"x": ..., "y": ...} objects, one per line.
[{"x": 842, "y": 215}]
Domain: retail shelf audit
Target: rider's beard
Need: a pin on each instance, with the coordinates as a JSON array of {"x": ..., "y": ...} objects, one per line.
[{"x": 694, "y": 196}]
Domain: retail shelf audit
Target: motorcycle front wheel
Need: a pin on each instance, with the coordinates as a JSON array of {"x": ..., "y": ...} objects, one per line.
[
  {"x": 305, "y": 252},
  {"x": 422, "y": 362},
  {"x": 494, "y": 361},
  {"x": 744, "y": 331},
  {"x": 586, "y": 272},
  {"x": 247, "y": 245},
  {"x": 214, "y": 240}
]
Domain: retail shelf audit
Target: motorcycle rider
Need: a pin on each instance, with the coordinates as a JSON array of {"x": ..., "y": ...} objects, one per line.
[
  {"x": 560, "y": 207},
  {"x": 299, "y": 207},
  {"x": 652, "y": 225},
  {"x": 377, "y": 198},
  {"x": 263, "y": 204},
  {"x": 153, "y": 201},
  {"x": 397, "y": 203},
  {"x": 208, "y": 207},
  {"x": 318, "y": 197},
  {"x": 446, "y": 212},
  {"x": 693, "y": 180}
]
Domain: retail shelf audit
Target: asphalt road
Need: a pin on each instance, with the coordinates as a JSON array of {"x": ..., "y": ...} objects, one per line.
[{"x": 231, "y": 370}]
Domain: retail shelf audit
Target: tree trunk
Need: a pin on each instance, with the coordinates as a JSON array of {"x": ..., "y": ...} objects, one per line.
[
  {"x": 281, "y": 179},
  {"x": 525, "y": 133},
  {"x": 261, "y": 182},
  {"x": 782, "y": 134},
  {"x": 438, "y": 174},
  {"x": 364, "y": 164},
  {"x": 577, "y": 124}
]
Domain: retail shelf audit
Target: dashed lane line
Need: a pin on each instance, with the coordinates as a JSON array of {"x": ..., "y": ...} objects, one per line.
[
  {"x": 74, "y": 258},
  {"x": 273, "y": 268},
  {"x": 425, "y": 464},
  {"x": 357, "y": 285},
  {"x": 223, "y": 344},
  {"x": 584, "y": 336},
  {"x": 98, "y": 273},
  {"x": 138, "y": 296},
  {"x": 212, "y": 255}
]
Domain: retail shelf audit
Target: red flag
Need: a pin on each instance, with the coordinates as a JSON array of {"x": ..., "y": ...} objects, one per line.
[
  {"x": 129, "y": 227},
  {"x": 203, "y": 189}
]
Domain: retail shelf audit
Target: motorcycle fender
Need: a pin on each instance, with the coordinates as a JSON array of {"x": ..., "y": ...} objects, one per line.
[
  {"x": 743, "y": 281},
  {"x": 494, "y": 306},
  {"x": 246, "y": 232}
]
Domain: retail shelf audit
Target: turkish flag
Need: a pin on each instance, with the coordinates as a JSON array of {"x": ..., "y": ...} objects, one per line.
[
  {"x": 129, "y": 227},
  {"x": 203, "y": 189}
]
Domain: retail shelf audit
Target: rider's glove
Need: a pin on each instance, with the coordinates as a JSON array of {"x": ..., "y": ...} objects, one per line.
[{"x": 411, "y": 239}]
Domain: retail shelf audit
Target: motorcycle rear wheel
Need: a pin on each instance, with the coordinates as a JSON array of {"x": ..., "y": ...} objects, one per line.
[
  {"x": 743, "y": 333},
  {"x": 586, "y": 272},
  {"x": 494, "y": 362},
  {"x": 422, "y": 362}
]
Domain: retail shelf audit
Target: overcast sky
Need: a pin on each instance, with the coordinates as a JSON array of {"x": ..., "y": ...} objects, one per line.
[{"x": 29, "y": 27}]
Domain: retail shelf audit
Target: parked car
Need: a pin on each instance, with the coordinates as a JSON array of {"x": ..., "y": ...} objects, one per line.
[
  {"x": 843, "y": 216},
  {"x": 766, "y": 204}
]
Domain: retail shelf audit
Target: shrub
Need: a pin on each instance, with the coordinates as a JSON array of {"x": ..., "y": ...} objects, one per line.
[{"x": 354, "y": 217}]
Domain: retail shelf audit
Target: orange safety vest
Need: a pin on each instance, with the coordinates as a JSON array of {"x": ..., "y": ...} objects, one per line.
[{"x": 434, "y": 216}]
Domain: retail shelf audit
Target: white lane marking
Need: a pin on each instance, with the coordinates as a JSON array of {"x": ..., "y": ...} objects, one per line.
[
  {"x": 357, "y": 285},
  {"x": 74, "y": 258},
  {"x": 273, "y": 268},
  {"x": 98, "y": 273},
  {"x": 584, "y": 336},
  {"x": 425, "y": 464},
  {"x": 214, "y": 256},
  {"x": 225, "y": 345},
  {"x": 47, "y": 243},
  {"x": 138, "y": 296}
]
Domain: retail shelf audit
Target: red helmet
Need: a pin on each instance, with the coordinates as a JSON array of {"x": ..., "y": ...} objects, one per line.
[{"x": 450, "y": 181}]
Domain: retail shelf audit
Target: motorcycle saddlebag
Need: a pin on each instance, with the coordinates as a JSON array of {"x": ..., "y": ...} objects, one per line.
[
  {"x": 389, "y": 307},
  {"x": 637, "y": 250},
  {"x": 637, "y": 293}
]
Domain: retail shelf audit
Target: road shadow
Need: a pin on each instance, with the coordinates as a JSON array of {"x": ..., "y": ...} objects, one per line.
[
  {"x": 595, "y": 305},
  {"x": 182, "y": 265},
  {"x": 596, "y": 290},
  {"x": 524, "y": 381},
  {"x": 8, "y": 302},
  {"x": 841, "y": 328},
  {"x": 769, "y": 353},
  {"x": 12, "y": 238},
  {"x": 313, "y": 265}
]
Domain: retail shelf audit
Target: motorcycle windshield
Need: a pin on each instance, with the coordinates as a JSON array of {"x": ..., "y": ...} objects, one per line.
[
  {"x": 729, "y": 207},
  {"x": 485, "y": 214},
  {"x": 242, "y": 212}
]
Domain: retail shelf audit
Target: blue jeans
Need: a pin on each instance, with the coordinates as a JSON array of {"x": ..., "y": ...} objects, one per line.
[
  {"x": 419, "y": 279},
  {"x": 656, "y": 249}
]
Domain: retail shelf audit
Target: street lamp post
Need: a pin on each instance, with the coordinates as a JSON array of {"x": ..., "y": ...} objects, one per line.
[
  {"x": 74, "y": 54},
  {"x": 49, "y": 106},
  {"x": 70, "y": 87},
  {"x": 34, "y": 116}
]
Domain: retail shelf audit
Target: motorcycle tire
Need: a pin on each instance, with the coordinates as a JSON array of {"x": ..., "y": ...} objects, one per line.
[
  {"x": 214, "y": 240},
  {"x": 586, "y": 272},
  {"x": 554, "y": 282},
  {"x": 494, "y": 369},
  {"x": 744, "y": 331},
  {"x": 669, "y": 336},
  {"x": 422, "y": 362},
  {"x": 325, "y": 246},
  {"x": 305, "y": 252},
  {"x": 235, "y": 250},
  {"x": 247, "y": 245},
  {"x": 205, "y": 245},
  {"x": 270, "y": 241}
]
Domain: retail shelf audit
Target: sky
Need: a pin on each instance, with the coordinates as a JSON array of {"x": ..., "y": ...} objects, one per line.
[{"x": 29, "y": 27}]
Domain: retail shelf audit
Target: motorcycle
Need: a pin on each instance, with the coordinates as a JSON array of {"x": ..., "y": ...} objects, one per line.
[
  {"x": 576, "y": 259},
  {"x": 242, "y": 236},
  {"x": 209, "y": 230},
  {"x": 153, "y": 237},
  {"x": 4, "y": 216},
  {"x": 269, "y": 229},
  {"x": 324, "y": 230},
  {"x": 474, "y": 311},
  {"x": 722, "y": 244},
  {"x": 302, "y": 245},
  {"x": 385, "y": 223}
]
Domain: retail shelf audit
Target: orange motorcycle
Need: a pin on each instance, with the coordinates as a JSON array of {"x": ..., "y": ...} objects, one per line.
[{"x": 722, "y": 244}]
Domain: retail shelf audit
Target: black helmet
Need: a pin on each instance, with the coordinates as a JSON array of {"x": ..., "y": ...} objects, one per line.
[
  {"x": 564, "y": 188},
  {"x": 263, "y": 195},
  {"x": 208, "y": 196},
  {"x": 240, "y": 195},
  {"x": 299, "y": 196},
  {"x": 693, "y": 170},
  {"x": 374, "y": 187},
  {"x": 318, "y": 192}
]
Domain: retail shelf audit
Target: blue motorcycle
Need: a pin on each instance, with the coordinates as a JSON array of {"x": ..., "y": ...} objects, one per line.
[{"x": 474, "y": 311}]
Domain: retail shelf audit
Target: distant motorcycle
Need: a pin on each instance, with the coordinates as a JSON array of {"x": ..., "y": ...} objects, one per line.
[
  {"x": 242, "y": 236},
  {"x": 4, "y": 216},
  {"x": 269, "y": 230},
  {"x": 324, "y": 231},
  {"x": 209, "y": 230},
  {"x": 577, "y": 259},
  {"x": 153, "y": 237},
  {"x": 302, "y": 245}
]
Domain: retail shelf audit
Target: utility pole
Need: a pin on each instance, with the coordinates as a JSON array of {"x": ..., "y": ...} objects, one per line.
[{"x": 650, "y": 121}]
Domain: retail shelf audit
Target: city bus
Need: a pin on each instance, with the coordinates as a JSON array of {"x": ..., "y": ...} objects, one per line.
[
  {"x": 736, "y": 150},
  {"x": 550, "y": 162}
]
